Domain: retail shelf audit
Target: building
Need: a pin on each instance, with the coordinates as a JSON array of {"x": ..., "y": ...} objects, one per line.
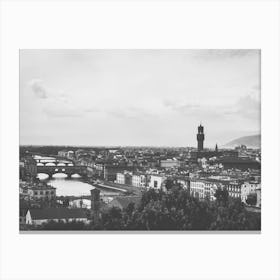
[
  {"x": 80, "y": 203},
  {"x": 184, "y": 182},
  {"x": 139, "y": 180},
  {"x": 110, "y": 171},
  {"x": 234, "y": 189},
  {"x": 124, "y": 178},
  {"x": 205, "y": 188},
  {"x": 120, "y": 178},
  {"x": 197, "y": 188},
  {"x": 239, "y": 163},
  {"x": 206, "y": 153},
  {"x": 249, "y": 188},
  {"x": 70, "y": 154},
  {"x": 63, "y": 153},
  {"x": 40, "y": 216},
  {"x": 211, "y": 187},
  {"x": 41, "y": 191},
  {"x": 156, "y": 181},
  {"x": 30, "y": 166},
  {"x": 200, "y": 138},
  {"x": 258, "y": 191},
  {"x": 169, "y": 163}
]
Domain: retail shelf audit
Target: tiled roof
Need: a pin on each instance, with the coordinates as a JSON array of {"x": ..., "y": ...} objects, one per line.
[
  {"x": 56, "y": 213},
  {"x": 125, "y": 200}
]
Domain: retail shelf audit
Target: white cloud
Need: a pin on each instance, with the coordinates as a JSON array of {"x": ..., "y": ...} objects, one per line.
[
  {"x": 38, "y": 88},
  {"x": 110, "y": 93}
]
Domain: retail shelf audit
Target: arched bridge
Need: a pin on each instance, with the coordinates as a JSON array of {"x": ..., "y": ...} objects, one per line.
[
  {"x": 68, "y": 170},
  {"x": 54, "y": 163}
]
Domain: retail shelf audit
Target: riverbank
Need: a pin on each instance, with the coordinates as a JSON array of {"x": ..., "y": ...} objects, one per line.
[{"x": 125, "y": 189}]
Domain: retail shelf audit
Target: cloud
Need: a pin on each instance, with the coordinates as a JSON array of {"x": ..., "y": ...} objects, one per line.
[
  {"x": 246, "y": 107},
  {"x": 56, "y": 103},
  {"x": 38, "y": 88},
  {"x": 91, "y": 110},
  {"x": 218, "y": 54},
  {"x": 179, "y": 107},
  {"x": 61, "y": 110},
  {"x": 197, "y": 111},
  {"x": 131, "y": 112}
]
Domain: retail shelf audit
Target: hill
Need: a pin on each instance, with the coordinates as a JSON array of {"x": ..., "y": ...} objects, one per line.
[{"x": 253, "y": 141}]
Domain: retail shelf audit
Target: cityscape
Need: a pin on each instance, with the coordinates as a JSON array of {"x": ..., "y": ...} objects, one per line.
[{"x": 118, "y": 161}]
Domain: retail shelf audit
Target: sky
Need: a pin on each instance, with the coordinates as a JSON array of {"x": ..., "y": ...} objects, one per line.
[{"x": 138, "y": 97}]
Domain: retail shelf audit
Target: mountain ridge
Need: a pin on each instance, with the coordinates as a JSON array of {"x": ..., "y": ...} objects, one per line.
[{"x": 251, "y": 141}]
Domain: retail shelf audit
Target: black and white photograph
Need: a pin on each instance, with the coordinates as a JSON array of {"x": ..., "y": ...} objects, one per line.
[{"x": 140, "y": 140}]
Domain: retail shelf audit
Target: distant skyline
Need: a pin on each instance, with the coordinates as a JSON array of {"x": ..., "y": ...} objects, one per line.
[{"x": 138, "y": 97}]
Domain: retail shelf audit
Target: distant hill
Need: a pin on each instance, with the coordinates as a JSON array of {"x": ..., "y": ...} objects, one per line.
[{"x": 253, "y": 141}]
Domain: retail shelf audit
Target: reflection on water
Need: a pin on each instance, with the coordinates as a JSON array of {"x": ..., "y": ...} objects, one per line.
[{"x": 66, "y": 186}]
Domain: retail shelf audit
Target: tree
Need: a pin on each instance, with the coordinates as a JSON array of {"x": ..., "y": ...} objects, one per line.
[
  {"x": 113, "y": 219},
  {"x": 251, "y": 199},
  {"x": 221, "y": 196},
  {"x": 168, "y": 184},
  {"x": 174, "y": 210},
  {"x": 66, "y": 202}
]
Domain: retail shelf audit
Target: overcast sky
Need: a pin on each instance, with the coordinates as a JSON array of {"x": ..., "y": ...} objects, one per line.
[{"x": 138, "y": 97}]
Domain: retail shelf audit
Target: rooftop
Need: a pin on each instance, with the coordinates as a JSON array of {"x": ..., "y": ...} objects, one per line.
[{"x": 57, "y": 213}]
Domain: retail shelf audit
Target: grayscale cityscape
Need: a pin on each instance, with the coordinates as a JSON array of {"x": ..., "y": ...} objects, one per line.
[{"x": 140, "y": 140}]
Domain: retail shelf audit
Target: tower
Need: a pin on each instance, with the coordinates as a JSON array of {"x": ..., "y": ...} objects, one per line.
[
  {"x": 95, "y": 204},
  {"x": 216, "y": 148},
  {"x": 200, "y": 138}
]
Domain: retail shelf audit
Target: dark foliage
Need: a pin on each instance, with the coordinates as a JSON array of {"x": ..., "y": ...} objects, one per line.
[
  {"x": 177, "y": 210},
  {"x": 251, "y": 199}
]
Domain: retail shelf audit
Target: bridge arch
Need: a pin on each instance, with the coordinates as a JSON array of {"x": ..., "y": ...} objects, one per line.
[
  {"x": 43, "y": 176},
  {"x": 68, "y": 170},
  {"x": 50, "y": 164}
]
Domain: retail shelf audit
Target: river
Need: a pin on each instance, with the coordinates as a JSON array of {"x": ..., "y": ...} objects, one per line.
[{"x": 73, "y": 186}]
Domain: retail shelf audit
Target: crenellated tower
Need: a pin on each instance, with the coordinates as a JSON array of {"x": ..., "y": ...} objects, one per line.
[{"x": 200, "y": 138}]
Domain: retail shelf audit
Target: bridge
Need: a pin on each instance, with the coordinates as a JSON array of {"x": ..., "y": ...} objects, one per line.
[
  {"x": 68, "y": 170},
  {"x": 55, "y": 162},
  {"x": 44, "y": 156}
]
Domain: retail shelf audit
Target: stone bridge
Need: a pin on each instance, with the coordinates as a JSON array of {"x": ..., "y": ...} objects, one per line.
[
  {"x": 54, "y": 163},
  {"x": 68, "y": 170}
]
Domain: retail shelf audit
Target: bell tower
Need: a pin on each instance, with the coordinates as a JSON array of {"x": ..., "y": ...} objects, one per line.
[{"x": 200, "y": 138}]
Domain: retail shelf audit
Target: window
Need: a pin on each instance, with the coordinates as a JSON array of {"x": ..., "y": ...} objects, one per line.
[{"x": 35, "y": 193}]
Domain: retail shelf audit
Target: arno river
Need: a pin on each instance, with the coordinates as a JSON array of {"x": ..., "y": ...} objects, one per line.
[{"x": 65, "y": 186}]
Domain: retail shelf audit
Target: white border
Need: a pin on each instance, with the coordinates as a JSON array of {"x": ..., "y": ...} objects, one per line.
[{"x": 198, "y": 24}]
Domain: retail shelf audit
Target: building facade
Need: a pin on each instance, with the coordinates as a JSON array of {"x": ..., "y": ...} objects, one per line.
[
  {"x": 234, "y": 189},
  {"x": 139, "y": 180},
  {"x": 124, "y": 178},
  {"x": 169, "y": 163},
  {"x": 156, "y": 181},
  {"x": 250, "y": 187},
  {"x": 41, "y": 192}
]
